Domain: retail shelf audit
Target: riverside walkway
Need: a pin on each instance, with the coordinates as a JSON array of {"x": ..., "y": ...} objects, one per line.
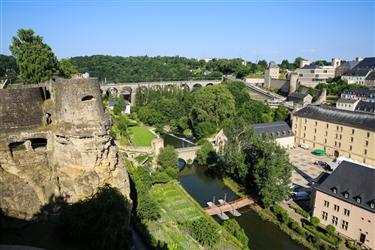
[{"x": 229, "y": 206}]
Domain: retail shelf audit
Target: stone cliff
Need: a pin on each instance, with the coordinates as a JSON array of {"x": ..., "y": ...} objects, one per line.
[{"x": 61, "y": 149}]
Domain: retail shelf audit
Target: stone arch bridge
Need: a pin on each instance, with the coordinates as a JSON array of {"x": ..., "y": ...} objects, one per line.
[
  {"x": 128, "y": 90},
  {"x": 188, "y": 153}
]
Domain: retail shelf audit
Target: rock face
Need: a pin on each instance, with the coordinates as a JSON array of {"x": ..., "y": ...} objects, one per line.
[{"x": 60, "y": 150}]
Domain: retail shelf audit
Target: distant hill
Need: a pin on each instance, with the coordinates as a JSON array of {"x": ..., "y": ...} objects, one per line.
[{"x": 144, "y": 68}]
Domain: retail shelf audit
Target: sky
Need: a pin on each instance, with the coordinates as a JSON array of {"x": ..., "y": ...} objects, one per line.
[{"x": 250, "y": 29}]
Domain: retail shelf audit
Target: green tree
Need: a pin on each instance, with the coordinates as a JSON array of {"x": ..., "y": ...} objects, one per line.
[
  {"x": 119, "y": 106},
  {"x": 35, "y": 59},
  {"x": 66, "y": 68},
  {"x": 331, "y": 229},
  {"x": 206, "y": 154},
  {"x": 315, "y": 221},
  {"x": 297, "y": 62},
  {"x": 168, "y": 157},
  {"x": 100, "y": 222},
  {"x": 280, "y": 113}
]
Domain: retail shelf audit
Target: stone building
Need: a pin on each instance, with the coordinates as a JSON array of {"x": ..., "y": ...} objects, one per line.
[
  {"x": 54, "y": 143},
  {"x": 346, "y": 200},
  {"x": 338, "y": 132}
]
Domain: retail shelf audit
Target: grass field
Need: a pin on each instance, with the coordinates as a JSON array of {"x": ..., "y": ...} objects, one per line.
[
  {"x": 177, "y": 207},
  {"x": 141, "y": 136}
]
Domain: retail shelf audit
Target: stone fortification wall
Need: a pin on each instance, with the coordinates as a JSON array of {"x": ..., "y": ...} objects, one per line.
[
  {"x": 69, "y": 157},
  {"x": 21, "y": 108}
]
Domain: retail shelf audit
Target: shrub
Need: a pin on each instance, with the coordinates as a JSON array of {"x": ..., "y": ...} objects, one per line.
[
  {"x": 280, "y": 213},
  {"x": 315, "y": 221},
  {"x": 333, "y": 239},
  {"x": 300, "y": 211},
  {"x": 235, "y": 229},
  {"x": 330, "y": 229},
  {"x": 297, "y": 228},
  {"x": 202, "y": 231}
]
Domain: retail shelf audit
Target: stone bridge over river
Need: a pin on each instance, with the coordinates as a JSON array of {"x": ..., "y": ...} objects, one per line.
[{"x": 128, "y": 90}]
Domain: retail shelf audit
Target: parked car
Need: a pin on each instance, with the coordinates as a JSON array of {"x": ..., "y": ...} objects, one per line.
[
  {"x": 304, "y": 146},
  {"x": 302, "y": 195},
  {"x": 324, "y": 165}
]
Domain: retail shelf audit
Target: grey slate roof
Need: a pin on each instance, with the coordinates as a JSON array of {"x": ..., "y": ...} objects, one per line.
[
  {"x": 348, "y": 65},
  {"x": 344, "y": 100},
  {"x": 367, "y": 63},
  {"x": 360, "y": 92},
  {"x": 355, "y": 180},
  {"x": 371, "y": 76},
  {"x": 275, "y": 129},
  {"x": 366, "y": 107},
  {"x": 338, "y": 116},
  {"x": 357, "y": 72}
]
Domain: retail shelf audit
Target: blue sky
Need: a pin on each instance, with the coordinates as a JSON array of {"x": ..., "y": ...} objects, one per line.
[{"x": 251, "y": 29}]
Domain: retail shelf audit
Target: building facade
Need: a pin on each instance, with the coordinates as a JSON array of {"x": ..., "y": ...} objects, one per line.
[
  {"x": 312, "y": 75},
  {"x": 346, "y": 104},
  {"x": 338, "y": 132},
  {"x": 346, "y": 200}
]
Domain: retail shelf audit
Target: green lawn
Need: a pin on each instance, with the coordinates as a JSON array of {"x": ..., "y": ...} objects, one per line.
[
  {"x": 177, "y": 207},
  {"x": 141, "y": 136}
]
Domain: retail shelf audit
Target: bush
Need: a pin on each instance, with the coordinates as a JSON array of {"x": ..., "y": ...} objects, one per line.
[
  {"x": 315, "y": 221},
  {"x": 280, "y": 213},
  {"x": 202, "y": 231},
  {"x": 333, "y": 239},
  {"x": 300, "y": 211},
  {"x": 297, "y": 228},
  {"x": 330, "y": 229},
  {"x": 235, "y": 229}
]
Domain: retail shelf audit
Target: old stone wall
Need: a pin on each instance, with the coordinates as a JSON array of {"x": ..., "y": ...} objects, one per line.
[{"x": 69, "y": 157}]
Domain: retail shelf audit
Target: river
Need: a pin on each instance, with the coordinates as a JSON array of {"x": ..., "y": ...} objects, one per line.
[{"x": 202, "y": 187}]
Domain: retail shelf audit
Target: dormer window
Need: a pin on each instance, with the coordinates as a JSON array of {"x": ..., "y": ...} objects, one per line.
[
  {"x": 358, "y": 199},
  {"x": 334, "y": 190},
  {"x": 346, "y": 195},
  {"x": 372, "y": 204}
]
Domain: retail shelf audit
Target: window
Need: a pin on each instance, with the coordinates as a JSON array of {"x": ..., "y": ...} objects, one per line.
[
  {"x": 335, "y": 143},
  {"x": 327, "y": 125},
  {"x": 350, "y": 148},
  {"x": 304, "y": 135},
  {"x": 326, "y": 203},
  {"x": 315, "y": 131},
  {"x": 351, "y": 139},
  {"x": 325, "y": 141},
  {"x": 337, "y": 128},
  {"x": 341, "y": 128},
  {"x": 352, "y": 131},
  {"x": 344, "y": 225},
  {"x": 339, "y": 144},
  {"x": 316, "y": 123},
  {"x": 358, "y": 199},
  {"x": 334, "y": 190},
  {"x": 372, "y": 204},
  {"x": 305, "y": 120},
  {"x": 336, "y": 207},
  {"x": 304, "y": 128},
  {"x": 324, "y": 215},
  {"x": 326, "y": 133},
  {"x": 88, "y": 98},
  {"x": 346, "y": 212},
  {"x": 365, "y": 152},
  {"x": 334, "y": 220},
  {"x": 368, "y": 134},
  {"x": 366, "y": 143}
]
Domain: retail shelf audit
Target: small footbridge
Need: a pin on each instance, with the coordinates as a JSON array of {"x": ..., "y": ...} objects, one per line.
[{"x": 231, "y": 207}]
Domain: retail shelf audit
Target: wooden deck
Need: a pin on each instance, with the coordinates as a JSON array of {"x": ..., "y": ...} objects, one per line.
[{"x": 236, "y": 204}]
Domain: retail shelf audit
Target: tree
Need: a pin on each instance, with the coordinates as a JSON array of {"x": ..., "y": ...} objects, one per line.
[
  {"x": 119, "y": 106},
  {"x": 331, "y": 229},
  {"x": 212, "y": 105},
  {"x": 297, "y": 62},
  {"x": 100, "y": 222},
  {"x": 280, "y": 113},
  {"x": 168, "y": 157},
  {"x": 206, "y": 154},
  {"x": 66, "y": 68},
  {"x": 8, "y": 66},
  {"x": 35, "y": 59},
  {"x": 235, "y": 229}
]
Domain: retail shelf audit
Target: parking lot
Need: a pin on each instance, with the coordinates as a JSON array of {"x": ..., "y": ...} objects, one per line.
[{"x": 304, "y": 168}]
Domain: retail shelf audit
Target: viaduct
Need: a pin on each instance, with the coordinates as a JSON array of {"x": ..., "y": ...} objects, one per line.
[{"x": 128, "y": 90}]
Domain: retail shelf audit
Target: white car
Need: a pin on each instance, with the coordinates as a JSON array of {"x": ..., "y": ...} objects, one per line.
[{"x": 304, "y": 146}]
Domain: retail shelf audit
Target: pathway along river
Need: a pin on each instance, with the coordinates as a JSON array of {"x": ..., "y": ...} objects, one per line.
[{"x": 202, "y": 187}]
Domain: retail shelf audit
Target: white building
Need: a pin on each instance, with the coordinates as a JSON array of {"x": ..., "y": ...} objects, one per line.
[
  {"x": 312, "y": 75},
  {"x": 347, "y": 104}
]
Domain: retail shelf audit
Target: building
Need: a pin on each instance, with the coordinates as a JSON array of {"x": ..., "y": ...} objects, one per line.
[
  {"x": 312, "y": 75},
  {"x": 338, "y": 132},
  {"x": 363, "y": 106},
  {"x": 367, "y": 95},
  {"x": 347, "y": 104},
  {"x": 300, "y": 98},
  {"x": 345, "y": 67},
  {"x": 279, "y": 130},
  {"x": 346, "y": 200},
  {"x": 273, "y": 70},
  {"x": 370, "y": 79},
  {"x": 361, "y": 72}
]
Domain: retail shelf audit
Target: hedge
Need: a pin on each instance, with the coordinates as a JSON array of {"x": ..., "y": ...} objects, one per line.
[
  {"x": 334, "y": 240},
  {"x": 300, "y": 211}
]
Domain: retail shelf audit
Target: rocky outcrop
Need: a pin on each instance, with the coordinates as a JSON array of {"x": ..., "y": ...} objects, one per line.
[{"x": 67, "y": 158}]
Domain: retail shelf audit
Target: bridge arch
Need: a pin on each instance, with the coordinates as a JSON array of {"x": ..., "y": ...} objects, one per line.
[
  {"x": 197, "y": 86},
  {"x": 185, "y": 86},
  {"x": 126, "y": 93},
  {"x": 112, "y": 91}
]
